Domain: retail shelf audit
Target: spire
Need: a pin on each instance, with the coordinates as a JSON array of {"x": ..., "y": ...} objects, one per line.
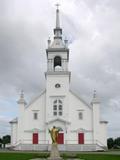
[
  {"x": 57, "y": 30},
  {"x": 57, "y": 43},
  {"x": 95, "y": 97},
  {"x": 94, "y": 94},
  {"x": 22, "y": 94},
  {"x": 57, "y": 16},
  {"x": 21, "y": 99}
]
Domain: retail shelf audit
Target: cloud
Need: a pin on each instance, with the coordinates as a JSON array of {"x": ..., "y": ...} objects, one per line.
[{"x": 92, "y": 27}]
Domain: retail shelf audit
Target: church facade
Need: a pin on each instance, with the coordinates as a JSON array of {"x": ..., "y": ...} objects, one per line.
[{"x": 79, "y": 122}]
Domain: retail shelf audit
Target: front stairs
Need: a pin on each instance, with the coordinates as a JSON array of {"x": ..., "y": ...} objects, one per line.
[{"x": 62, "y": 147}]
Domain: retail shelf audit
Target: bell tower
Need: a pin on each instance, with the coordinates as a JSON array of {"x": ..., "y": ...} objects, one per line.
[
  {"x": 57, "y": 51},
  {"x": 57, "y": 75}
]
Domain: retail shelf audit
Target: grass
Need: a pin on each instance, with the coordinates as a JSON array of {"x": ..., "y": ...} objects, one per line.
[
  {"x": 21, "y": 156},
  {"x": 85, "y": 156},
  {"x": 98, "y": 157},
  {"x": 92, "y": 156}
]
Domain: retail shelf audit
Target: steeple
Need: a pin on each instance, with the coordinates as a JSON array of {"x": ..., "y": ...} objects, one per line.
[
  {"x": 57, "y": 51},
  {"x": 57, "y": 17},
  {"x": 57, "y": 30}
]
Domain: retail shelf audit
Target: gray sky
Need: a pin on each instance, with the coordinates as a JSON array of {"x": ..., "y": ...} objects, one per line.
[{"x": 92, "y": 28}]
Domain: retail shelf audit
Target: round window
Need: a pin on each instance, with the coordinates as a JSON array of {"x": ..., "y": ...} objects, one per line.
[{"x": 57, "y": 85}]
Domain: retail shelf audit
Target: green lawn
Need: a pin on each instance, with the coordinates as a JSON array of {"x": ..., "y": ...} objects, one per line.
[
  {"x": 20, "y": 156},
  {"x": 85, "y": 156},
  {"x": 99, "y": 157}
]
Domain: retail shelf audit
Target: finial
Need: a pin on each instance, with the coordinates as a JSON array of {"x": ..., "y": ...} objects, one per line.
[
  {"x": 66, "y": 42},
  {"x": 21, "y": 99},
  {"x": 95, "y": 94},
  {"x": 57, "y": 5},
  {"x": 49, "y": 42},
  {"x": 22, "y": 94}
]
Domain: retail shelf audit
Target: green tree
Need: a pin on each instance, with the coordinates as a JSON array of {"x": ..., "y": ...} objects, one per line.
[
  {"x": 6, "y": 140},
  {"x": 117, "y": 142},
  {"x": 0, "y": 142},
  {"x": 110, "y": 143}
]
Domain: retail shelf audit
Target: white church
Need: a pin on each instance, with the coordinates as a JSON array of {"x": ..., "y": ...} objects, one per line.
[{"x": 81, "y": 126}]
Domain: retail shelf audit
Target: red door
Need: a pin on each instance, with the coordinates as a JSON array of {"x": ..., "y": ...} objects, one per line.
[
  {"x": 80, "y": 138},
  {"x": 35, "y": 138},
  {"x": 60, "y": 138}
]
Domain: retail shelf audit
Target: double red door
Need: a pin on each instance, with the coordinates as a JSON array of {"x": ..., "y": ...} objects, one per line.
[
  {"x": 60, "y": 138},
  {"x": 80, "y": 138},
  {"x": 35, "y": 138}
]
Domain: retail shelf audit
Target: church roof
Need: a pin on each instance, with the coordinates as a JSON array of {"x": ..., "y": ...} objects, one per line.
[
  {"x": 34, "y": 99},
  {"x": 15, "y": 120},
  {"x": 104, "y": 122},
  {"x": 76, "y": 95}
]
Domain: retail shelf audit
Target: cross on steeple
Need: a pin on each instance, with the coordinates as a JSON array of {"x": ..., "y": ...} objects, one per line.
[{"x": 57, "y": 5}]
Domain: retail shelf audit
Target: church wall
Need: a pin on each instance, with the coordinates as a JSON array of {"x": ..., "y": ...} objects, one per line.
[
  {"x": 76, "y": 106},
  {"x": 84, "y": 125},
  {"x": 21, "y": 124},
  {"x": 30, "y": 124},
  {"x": 28, "y": 137},
  {"x": 103, "y": 133},
  {"x": 53, "y": 93},
  {"x": 14, "y": 128},
  {"x": 96, "y": 121}
]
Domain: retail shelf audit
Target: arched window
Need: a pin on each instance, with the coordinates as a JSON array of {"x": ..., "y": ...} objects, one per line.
[
  {"x": 57, "y": 61},
  {"x": 57, "y": 107}
]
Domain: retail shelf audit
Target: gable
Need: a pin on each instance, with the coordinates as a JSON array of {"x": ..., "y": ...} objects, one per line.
[
  {"x": 37, "y": 101},
  {"x": 79, "y": 99}
]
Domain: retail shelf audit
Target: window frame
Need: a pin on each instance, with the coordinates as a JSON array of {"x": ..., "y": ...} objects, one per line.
[{"x": 58, "y": 110}]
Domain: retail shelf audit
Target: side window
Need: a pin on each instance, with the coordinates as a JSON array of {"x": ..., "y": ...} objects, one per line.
[
  {"x": 35, "y": 116},
  {"x": 80, "y": 115}
]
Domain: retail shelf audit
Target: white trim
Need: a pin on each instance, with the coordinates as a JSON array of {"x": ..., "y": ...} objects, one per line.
[
  {"x": 58, "y": 119},
  {"x": 34, "y": 130},
  {"x": 81, "y": 130}
]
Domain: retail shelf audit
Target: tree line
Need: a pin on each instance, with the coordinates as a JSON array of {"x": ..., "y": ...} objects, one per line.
[
  {"x": 113, "y": 143},
  {"x": 4, "y": 140}
]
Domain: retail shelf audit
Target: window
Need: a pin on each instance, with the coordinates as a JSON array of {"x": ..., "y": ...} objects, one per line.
[
  {"x": 57, "y": 107},
  {"x": 57, "y": 85},
  {"x": 60, "y": 107},
  {"x": 55, "y": 113},
  {"x": 35, "y": 116},
  {"x": 80, "y": 115},
  {"x": 60, "y": 113},
  {"x": 57, "y": 61}
]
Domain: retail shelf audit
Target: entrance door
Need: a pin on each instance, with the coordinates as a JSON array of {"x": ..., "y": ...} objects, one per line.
[
  {"x": 80, "y": 138},
  {"x": 35, "y": 138},
  {"x": 60, "y": 138}
]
